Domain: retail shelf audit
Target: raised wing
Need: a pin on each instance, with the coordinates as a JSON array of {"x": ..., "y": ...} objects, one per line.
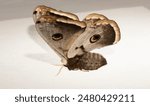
[{"x": 100, "y": 32}]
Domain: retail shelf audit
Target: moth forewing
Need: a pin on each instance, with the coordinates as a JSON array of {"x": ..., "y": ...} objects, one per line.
[
  {"x": 45, "y": 38},
  {"x": 50, "y": 27}
]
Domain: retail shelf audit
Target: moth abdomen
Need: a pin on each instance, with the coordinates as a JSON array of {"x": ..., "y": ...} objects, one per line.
[{"x": 87, "y": 61}]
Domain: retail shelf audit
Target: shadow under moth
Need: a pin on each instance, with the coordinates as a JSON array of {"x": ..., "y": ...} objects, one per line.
[{"x": 73, "y": 39}]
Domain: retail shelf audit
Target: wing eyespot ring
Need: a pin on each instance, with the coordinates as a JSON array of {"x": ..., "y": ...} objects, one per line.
[
  {"x": 95, "y": 38},
  {"x": 57, "y": 36}
]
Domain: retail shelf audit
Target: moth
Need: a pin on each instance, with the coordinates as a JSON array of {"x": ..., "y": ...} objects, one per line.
[{"x": 73, "y": 39}]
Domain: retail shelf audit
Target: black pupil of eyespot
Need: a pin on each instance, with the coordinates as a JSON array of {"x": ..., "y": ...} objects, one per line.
[
  {"x": 38, "y": 22},
  {"x": 95, "y": 38},
  {"x": 34, "y": 12},
  {"x": 57, "y": 36}
]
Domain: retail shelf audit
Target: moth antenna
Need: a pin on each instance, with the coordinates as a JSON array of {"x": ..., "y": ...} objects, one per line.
[{"x": 59, "y": 70}]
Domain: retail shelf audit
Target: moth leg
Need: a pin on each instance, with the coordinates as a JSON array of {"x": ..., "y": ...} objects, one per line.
[
  {"x": 84, "y": 70},
  {"x": 60, "y": 70}
]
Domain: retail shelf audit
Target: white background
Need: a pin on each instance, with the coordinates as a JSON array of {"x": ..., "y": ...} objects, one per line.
[{"x": 27, "y": 62}]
